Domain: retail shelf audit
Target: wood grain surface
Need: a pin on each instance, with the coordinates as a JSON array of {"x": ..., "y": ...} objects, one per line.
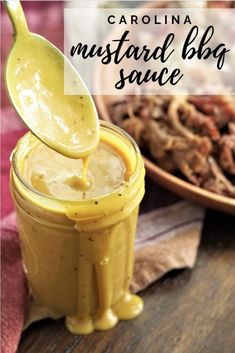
[{"x": 185, "y": 312}]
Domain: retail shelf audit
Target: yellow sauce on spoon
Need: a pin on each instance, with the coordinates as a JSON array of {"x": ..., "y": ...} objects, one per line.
[{"x": 35, "y": 81}]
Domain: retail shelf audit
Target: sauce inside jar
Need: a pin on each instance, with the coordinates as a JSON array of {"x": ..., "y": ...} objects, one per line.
[{"x": 56, "y": 175}]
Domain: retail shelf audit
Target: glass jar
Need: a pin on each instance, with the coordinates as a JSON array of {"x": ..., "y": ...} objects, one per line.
[{"x": 78, "y": 255}]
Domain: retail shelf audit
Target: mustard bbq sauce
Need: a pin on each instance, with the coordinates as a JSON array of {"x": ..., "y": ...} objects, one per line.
[
  {"x": 67, "y": 179},
  {"x": 84, "y": 234}
]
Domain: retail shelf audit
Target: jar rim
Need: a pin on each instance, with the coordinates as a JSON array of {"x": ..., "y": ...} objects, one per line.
[{"x": 105, "y": 125}]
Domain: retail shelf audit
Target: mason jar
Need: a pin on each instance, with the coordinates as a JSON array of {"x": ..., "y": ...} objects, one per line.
[{"x": 78, "y": 255}]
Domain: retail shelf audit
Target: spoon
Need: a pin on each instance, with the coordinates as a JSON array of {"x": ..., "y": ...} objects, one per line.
[{"x": 34, "y": 77}]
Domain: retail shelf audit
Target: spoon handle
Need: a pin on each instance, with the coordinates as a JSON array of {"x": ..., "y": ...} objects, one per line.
[{"x": 17, "y": 17}]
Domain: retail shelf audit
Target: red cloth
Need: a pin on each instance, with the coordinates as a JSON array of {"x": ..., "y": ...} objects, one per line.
[
  {"x": 14, "y": 291},
  {"x": 45, "y": 18}
]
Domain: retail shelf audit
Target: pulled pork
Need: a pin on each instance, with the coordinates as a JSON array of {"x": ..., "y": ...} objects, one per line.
[{"x": 193, "y": 134}]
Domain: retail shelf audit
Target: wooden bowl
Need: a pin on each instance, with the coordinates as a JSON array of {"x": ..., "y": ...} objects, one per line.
[{"x": 179, "y": 186}]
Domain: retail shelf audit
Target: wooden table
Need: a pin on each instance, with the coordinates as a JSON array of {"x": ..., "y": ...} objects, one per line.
[{"x": 185, "y": 312}]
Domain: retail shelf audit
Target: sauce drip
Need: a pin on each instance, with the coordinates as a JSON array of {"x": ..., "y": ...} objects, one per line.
[{"x": 80, "y": 183}]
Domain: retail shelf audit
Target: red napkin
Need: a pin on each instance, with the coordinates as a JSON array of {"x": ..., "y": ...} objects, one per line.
[{"x": 14, "y": 291}]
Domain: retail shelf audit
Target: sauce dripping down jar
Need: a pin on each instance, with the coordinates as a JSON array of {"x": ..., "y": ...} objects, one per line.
[{"x": 78, "y": 255}]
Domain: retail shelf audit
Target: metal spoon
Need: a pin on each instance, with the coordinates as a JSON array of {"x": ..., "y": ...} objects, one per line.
[{"x": 34, "y": 77}]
